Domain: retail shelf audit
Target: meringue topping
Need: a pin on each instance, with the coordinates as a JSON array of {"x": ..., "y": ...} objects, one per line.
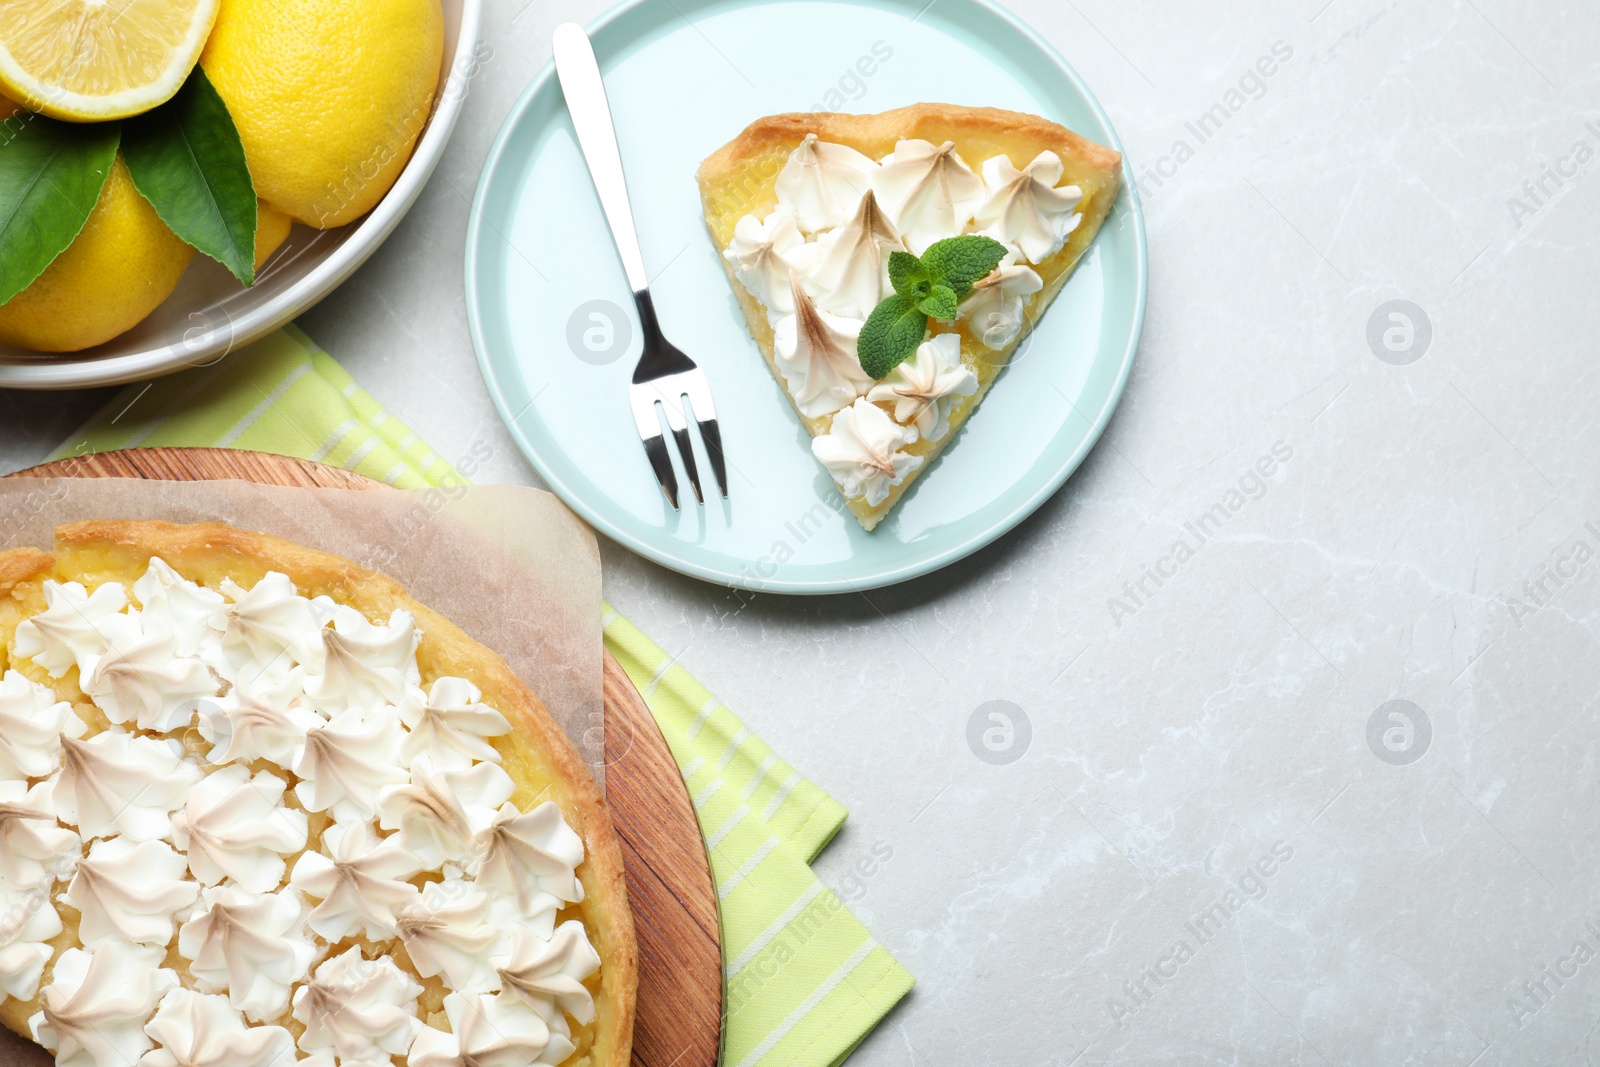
[
  {"x": 817, "y": 354},
  {"x": 270, "y": 623},
  {"x": 148, "y": 683},
  {"x": 862, "y": 451},
  {"x": 21, "y": 966},
  {"x": 489, "y": 1031},
  {"x": 94, "y": 1009},
  {"x": 345, "y": 764},
  {"x": 550, "y": 973},
  {"x": 851, "y": 272},
  {"x": 115, "y": 783},
  {"x": 129, "y": 891},
  {"x": 32, "y": 721},
  {"x": 532, "y": 853},
  {"x": 361, "y": 882},
  {"x": 928, "y": 191},
  {"x": 364, "y": 1010},
  {"x": 923, "y": 388},
  {"x": 248, "y": 945},
  {"x": 261, "y": 719},
  {"x": 824, "y": 182},
  {"x": 172, "y": 606},
  {"x": 184, "y": 861},
  {"x": 764, "y": 252},
  {"x": 234, "y": 825},
  {"x": 440, "y": 813},
  {"x": 34, "y": 850},
  {"x": 196, "y": 1030},
  {"x": 29, "y": 924},
  {"x": 1024, "y": 207},
  {"x": 448, "y": 933},
  {"x": 448, "y": 725},
  {"x": 364, "y": 666},
  {"x": 76, "y": 628},
  {"x": 994, "y": 307}
]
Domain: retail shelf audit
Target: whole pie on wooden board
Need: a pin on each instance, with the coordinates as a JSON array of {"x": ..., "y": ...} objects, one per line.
[{"x": 258, "y": 805}]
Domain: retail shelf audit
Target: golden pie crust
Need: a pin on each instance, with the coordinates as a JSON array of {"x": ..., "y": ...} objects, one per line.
[
  {"x": 741, "y": 178},
  {"x": 537, "y": 754}
]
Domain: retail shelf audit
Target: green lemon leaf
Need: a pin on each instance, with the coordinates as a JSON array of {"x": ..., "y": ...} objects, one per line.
[
  {"x": 891, "y": 333},
  {"x": 941, "y": 303},
  {"x": 960, "y": 262},
  {"x": 51, "y": 175},
  {"x": 187, "y": 160},
  {"x": 905, "y": 271}
]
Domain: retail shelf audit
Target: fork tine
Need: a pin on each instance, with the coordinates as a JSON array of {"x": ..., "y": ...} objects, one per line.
[
  {"x": 711, "y": 433},
  {"x": 670, "y": 392},
  {"x": 656, "y": 448},
  {"x": 705, "y": 413},
  {"x": 648, "y": 425},
  {"x": 686, "y": 450}
]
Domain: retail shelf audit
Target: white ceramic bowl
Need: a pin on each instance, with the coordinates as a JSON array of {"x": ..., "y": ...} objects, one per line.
[{"x": 211, "y": 315}]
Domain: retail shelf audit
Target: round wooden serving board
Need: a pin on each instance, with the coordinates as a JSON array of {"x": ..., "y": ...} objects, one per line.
[{"x": 670, "y": 889}]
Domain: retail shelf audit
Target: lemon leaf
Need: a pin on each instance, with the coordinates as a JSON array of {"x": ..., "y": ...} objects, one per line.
[
  {"x": 51, "y": 174},
  {"x": 186, "y": 158}
]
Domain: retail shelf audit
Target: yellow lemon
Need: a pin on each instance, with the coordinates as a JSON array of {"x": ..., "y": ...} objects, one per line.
[
  {"x": 88, "y": 60},
  {"x": 272, "y": 229},
  {"x": 329, "y": 96},
  {"x": 124, "y": 263}
]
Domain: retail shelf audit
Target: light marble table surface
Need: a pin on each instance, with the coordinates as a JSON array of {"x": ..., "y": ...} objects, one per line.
[{"x": 1221, "y": 843}]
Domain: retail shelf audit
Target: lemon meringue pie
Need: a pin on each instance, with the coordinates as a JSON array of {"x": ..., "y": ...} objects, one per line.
[
  {"x": 808, "y": 210},
  {"x": 258, "y": 806}
]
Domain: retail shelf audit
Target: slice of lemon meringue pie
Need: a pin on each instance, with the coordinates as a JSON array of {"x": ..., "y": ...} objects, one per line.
[
  {"x": 258, "y": 806},
  {"x": 889, "y": 265}
]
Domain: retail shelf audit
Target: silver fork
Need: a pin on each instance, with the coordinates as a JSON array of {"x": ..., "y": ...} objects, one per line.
[{"x": 664, "y": 375}]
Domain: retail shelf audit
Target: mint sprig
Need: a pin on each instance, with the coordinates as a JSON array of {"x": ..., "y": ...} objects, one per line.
[{"x": 929, "y": 287}]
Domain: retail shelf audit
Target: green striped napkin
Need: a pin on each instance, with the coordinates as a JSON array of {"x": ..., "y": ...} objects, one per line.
[{"x": 805, "y": 980}]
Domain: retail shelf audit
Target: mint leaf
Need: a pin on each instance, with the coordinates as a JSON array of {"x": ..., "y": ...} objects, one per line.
[
  {"x": 905, "y": 270},
  {"x": 51, "y": 174},
  {"x": 187, "y": 160},
  {"x": 960, "y": 262},
  {"x": 891, "y": 333},
  {"x": 941, "y": 303}
]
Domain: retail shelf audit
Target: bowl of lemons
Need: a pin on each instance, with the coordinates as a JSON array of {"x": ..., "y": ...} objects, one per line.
[{"x": 181, "y": 177}]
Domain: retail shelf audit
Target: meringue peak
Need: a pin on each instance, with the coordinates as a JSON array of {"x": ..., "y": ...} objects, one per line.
[
  {"x": 924, "y": 387},
  {"x": 823, "y": 182},
  {"x": 929, "y": 191},
  {"x": 1025, "y": 207},
  {"x": 361, "y": 882},
  {"x": 852, "y": 265},
  {"x": 764, "y": 251},
  {"x": 116, "y": 783},
  {"x": 863, "y": 451},
  {"x": 251, "y": 946},
  {"x": 817, "y": 354}
]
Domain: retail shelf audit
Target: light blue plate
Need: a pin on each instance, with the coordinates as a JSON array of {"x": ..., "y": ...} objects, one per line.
[{"x": 546, "y": 294}]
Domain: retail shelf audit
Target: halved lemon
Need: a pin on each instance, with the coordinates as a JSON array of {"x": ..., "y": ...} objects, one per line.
[{"x": 94, "y": 60}]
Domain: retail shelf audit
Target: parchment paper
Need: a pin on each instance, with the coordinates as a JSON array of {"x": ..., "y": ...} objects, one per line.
[{"x": 511, "y": 566}]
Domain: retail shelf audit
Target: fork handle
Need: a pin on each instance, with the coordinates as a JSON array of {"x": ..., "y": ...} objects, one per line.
[{"x": 579, "y": 72}]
